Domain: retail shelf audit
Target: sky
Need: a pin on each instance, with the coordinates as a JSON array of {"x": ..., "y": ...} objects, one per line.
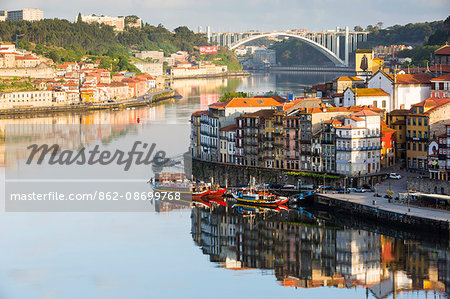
[{"x": 241, "y": 15}]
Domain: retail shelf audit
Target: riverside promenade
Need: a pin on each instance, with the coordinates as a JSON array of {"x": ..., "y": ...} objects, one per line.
[
  {"x": 147, "y": 99},
  {"x": 380, "y": 209}
]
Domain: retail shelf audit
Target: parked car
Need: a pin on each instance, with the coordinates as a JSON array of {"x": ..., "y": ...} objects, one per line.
[
  {"x": 368, "y": 188},
  {"x": 289, "y": 187},
  {"x": 388, "y": 196},
  {"x": 360, "y": 190},
  {"x": 342, "y": 190},
  {"x": 395, "y": 176},
  {"x": 351, "y": 189}
]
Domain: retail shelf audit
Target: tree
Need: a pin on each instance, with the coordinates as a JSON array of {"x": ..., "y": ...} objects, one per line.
[
  {"x": 79, "y": 18},
  {"x": 231, "y": 95},
  {"x": 380, "y": 25},
  {"x": 358, "y": 29}
]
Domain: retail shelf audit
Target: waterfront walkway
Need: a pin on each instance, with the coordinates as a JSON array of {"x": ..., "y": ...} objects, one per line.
[{"x": 383, "y": 204}]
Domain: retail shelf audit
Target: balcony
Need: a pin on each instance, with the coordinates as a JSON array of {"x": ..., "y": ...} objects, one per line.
[
  {"x": 324, "y": 141},
  {"x": 417, "y": 139}
]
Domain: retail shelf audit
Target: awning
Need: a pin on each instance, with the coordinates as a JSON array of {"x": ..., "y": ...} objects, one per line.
[{"x": 434, "y": 163}]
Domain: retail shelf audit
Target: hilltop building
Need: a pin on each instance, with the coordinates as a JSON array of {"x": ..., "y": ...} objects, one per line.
[
  {"x": 26, "y": 14},
  {"x": 119, "y": 23}
]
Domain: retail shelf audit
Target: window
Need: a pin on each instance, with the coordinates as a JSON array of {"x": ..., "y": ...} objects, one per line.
[
  {"x": 383, "y": 105},
  {"x": 425, "y": 122},
  {"x": 414, "y": 146},
  {"x": 409, "y": 121},
  {"x": 414, "y": 121},
  {"x": 420, "y": 121},
  {"x": 375, "y": 103},
  {"x": 409, "y": 145},
  {"x": 420, "y": 147}
]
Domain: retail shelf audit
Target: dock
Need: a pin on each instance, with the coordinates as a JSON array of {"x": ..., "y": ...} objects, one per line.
[{"x": 381, "y": 210}]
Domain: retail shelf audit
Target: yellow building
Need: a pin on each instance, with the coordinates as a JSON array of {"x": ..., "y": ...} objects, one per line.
[
  {"x": 340, "y": 84},
  {"x": 424, "y": 122},
  {"x": 366, "y": 63},
  {"x": 396, "y": 120}
]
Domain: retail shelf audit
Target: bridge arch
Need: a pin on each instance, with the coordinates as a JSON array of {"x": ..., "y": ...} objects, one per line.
[{"x": 330, "y": 55}]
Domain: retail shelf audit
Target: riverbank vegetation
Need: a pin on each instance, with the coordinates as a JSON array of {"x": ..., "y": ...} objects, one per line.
[
  {"x": 64, "y": 41},
  {"x": 16, "y": 84},
  {"x": 224, "y": 56}
]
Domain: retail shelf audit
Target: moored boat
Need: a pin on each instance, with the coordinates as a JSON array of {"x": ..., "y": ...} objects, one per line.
[{"x": 264, "y": 199}]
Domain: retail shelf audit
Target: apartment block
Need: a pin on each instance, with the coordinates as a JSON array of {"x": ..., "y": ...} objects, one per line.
[{"x": 425, "y": 121}]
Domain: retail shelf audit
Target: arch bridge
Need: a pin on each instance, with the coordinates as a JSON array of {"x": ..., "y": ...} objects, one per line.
[{"x": 326, "y": 42}]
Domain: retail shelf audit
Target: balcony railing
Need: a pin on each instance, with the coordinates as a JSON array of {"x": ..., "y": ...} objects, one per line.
[{"x": 417, "y": 139}]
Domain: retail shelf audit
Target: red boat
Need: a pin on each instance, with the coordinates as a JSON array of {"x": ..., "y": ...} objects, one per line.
[
  {"x": 219, "y": 192},
  {"x": 201, "y": 193}
]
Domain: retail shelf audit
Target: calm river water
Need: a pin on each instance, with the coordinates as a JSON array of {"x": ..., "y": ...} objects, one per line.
[{"x": 182, "y": 252}]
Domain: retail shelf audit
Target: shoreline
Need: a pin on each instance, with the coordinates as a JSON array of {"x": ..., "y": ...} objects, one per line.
[
  {"x": 376, "y": 209},
  {"x": 156, "y": 98},
  {"x": 207, "y": 76}
]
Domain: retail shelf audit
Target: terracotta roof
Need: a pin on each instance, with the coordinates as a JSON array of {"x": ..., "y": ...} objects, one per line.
[
  {"x": 320, "y": 87},
  {"x": 198, "y": 113},
  {"x": 229, "y": 128},
  {"x": 445, "y": 77},
  {"x": 373, "y": 92},
  {"x": 444, "y": 50},
  {"x": 355, "y": 118},
  {"x": 399, "y": 112},
  {"x": 275, "y": 97},
  {"x": 353, "y": 78},
  {"x": 350, "y": 127},
  {"x": 219, "y": 105},
  {"x": 252, "y": 102},
  {"x": 365, "y": 112},
  {"x": 338, "y": 95},
  {"x": 432, "y": 103},
  {"x": 438, "y": 68},
  {"x": 261, "y": 113},
  {"x": 334, "y": 122},
  {"x": 412, "y": 78}
]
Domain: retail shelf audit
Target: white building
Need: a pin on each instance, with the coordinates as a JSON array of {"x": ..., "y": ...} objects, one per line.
[
  {"x": 117, "y": 22},
  {"x": 440, "y": 86},
  {"x": 38, "y": 98},
  {"x": 358, "y": 144},
  {"x": 153, "y": 69},
  {"x": 26, "y": 14},
  {"x": 228, "y": 144},
  {"x": 404, "y": 89},
  {"x": 375, "y": 97}
]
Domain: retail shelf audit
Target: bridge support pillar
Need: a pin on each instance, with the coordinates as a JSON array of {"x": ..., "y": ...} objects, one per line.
[{"x": 346, "y": 46}]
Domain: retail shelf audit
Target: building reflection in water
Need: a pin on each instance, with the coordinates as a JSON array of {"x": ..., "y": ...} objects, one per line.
[{"x": 308, "y": 256}]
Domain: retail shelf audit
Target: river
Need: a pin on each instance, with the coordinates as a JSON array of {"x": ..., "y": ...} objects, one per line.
[{"x": 179, "y": 252}]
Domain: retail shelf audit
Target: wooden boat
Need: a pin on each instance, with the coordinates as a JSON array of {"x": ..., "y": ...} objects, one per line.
[
  {"x": 219, "y": 192},
  {"x": 201, "y": 193},
  {"x": 249, "y": 209},
  {"x": 263, "y": 199}
]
